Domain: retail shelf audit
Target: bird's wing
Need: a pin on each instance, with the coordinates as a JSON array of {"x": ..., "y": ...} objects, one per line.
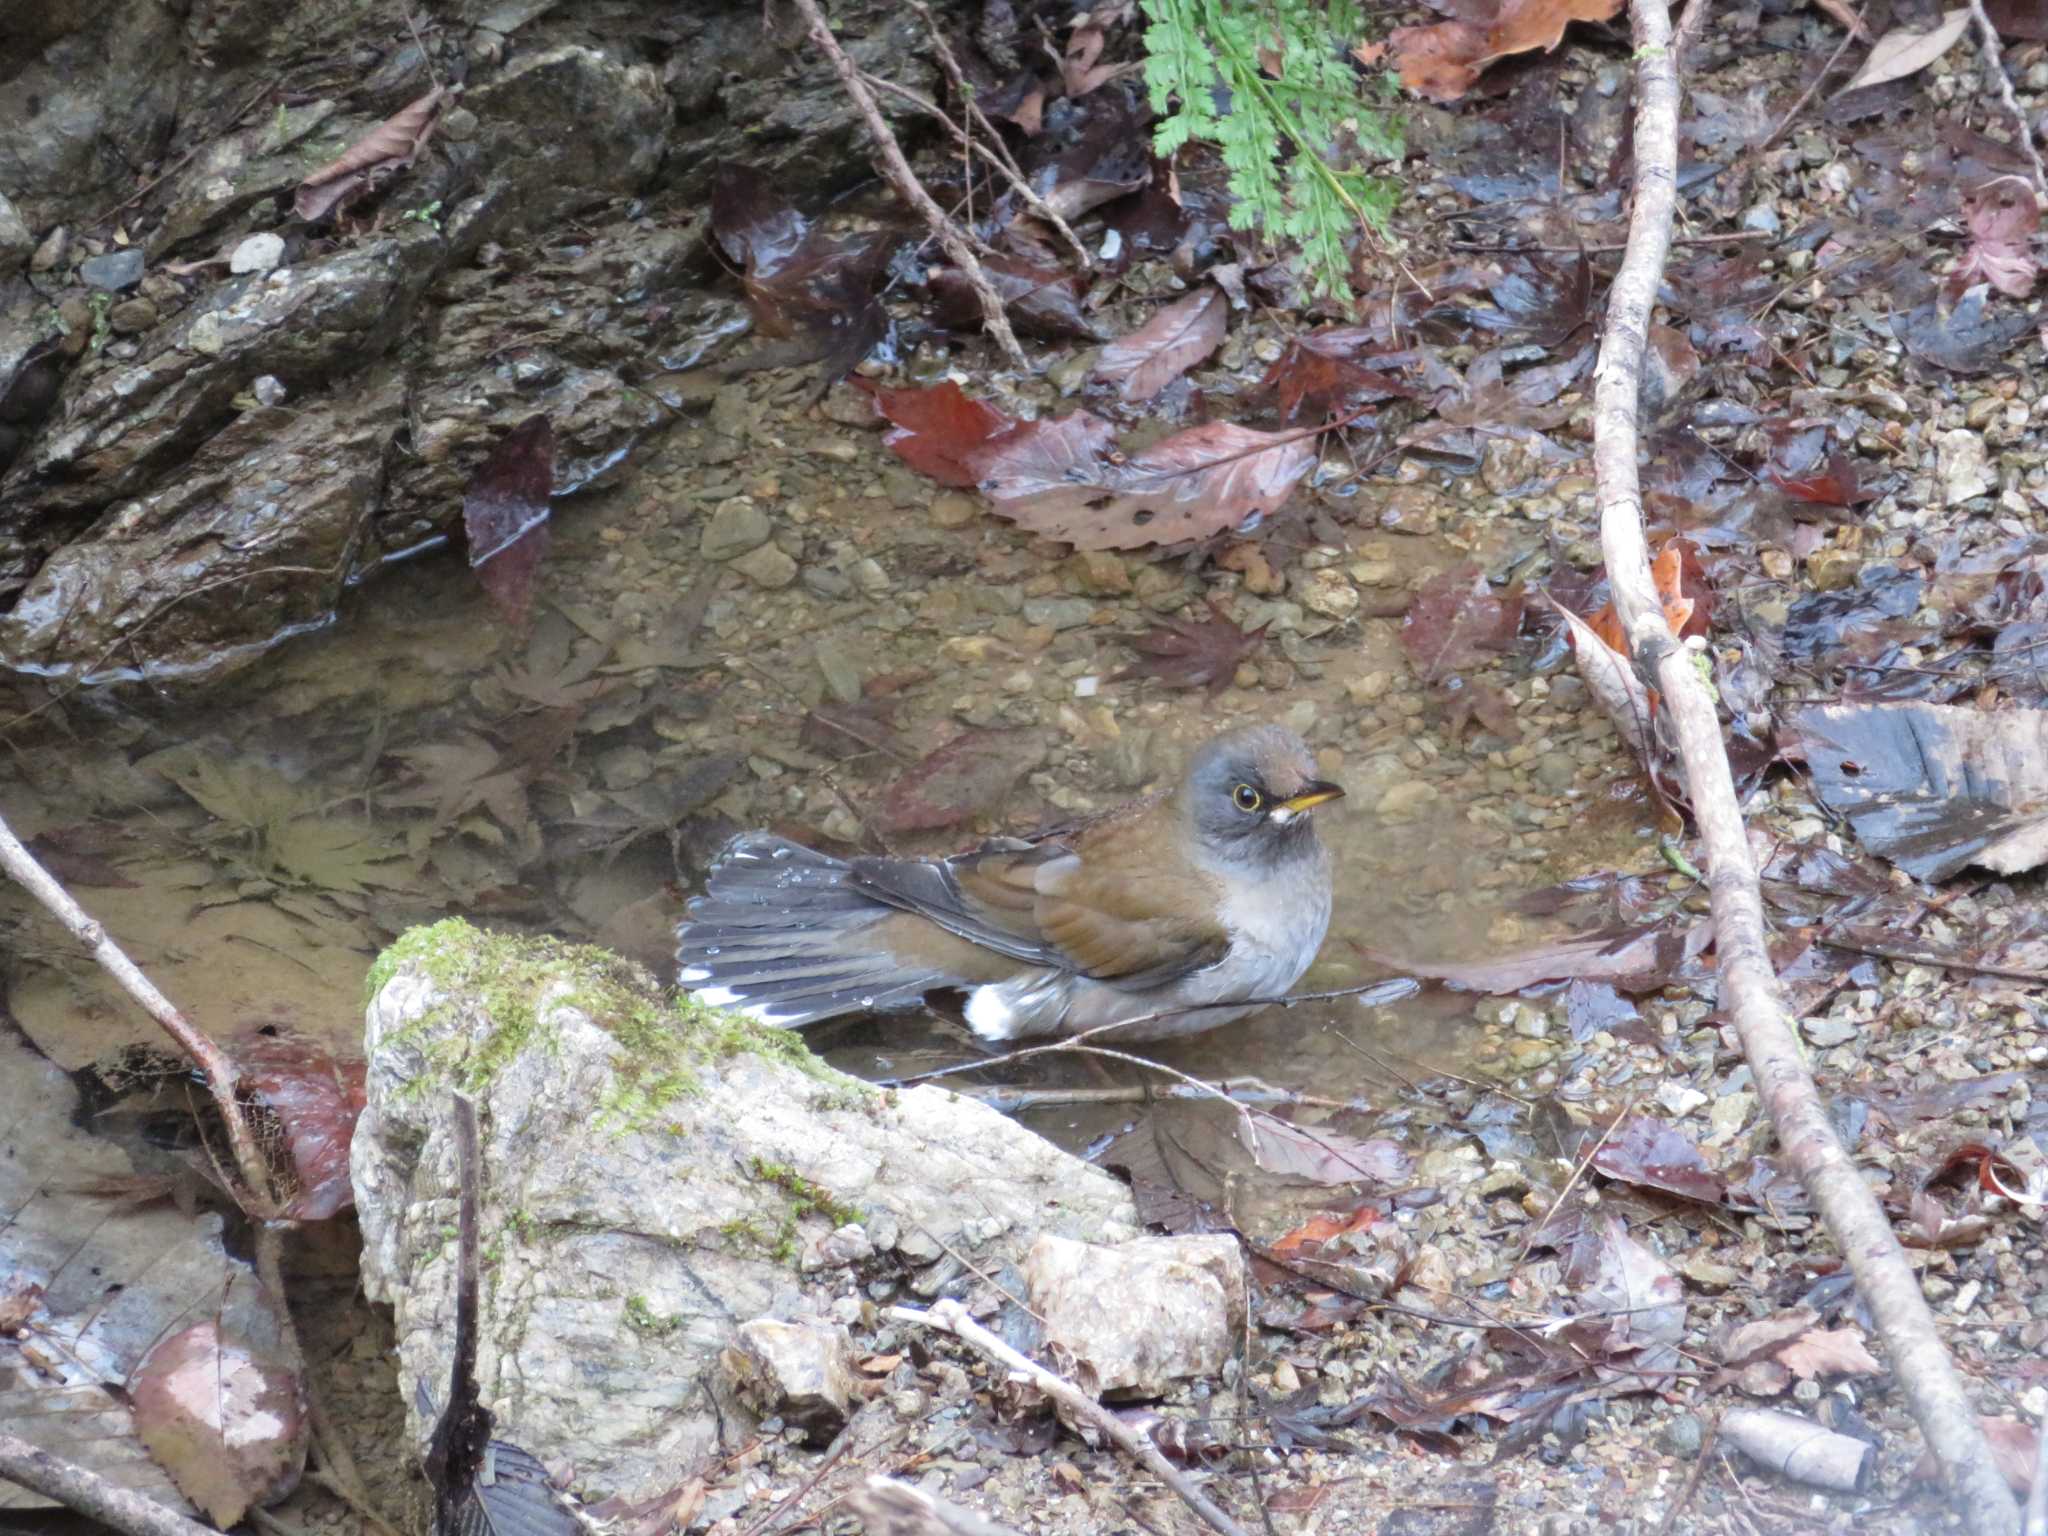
[{"x": 1109, "y": 910}]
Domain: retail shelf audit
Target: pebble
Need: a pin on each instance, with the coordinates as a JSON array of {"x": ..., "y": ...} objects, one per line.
[
  {"x": 842, "y": 677},
  {"x": 767, "y": 567},
  {"x": 1965, "y": 468},
  {"x": 1328, "y": 592},
  {"x": 735, "y": 527},
  {"x": 827, "y": 583},
  {"x": 953, "y": 510},
  {"x": 259, "y": 253},
  {"x": 1557, "y": 771},
  {"x": 1058, "y": 612},
  {"x": 1373, "y": 685},
  {"x": 131, "y": 317},
  {"x": 1684, "y": 1435},
  {"x": 869, "y": 576},
  {"x": 112, "y": 272},
  {"x": 1406, "y": 798},
  {"x": 56, "y": 245},
  {"x": 14, "y": 233},
  {"x": 1098, "y": 573}
]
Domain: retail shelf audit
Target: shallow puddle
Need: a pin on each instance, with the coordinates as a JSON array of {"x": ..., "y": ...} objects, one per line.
[{"x": 255, "y": 843}]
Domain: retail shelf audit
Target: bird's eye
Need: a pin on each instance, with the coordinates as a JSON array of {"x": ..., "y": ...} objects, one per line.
[{"x": 1246, "y": 799}]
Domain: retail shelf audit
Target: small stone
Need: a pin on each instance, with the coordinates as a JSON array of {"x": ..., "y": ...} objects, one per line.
[
  {"x": 112, "y": 272},
  {"x": 625, "y": 767},
  {"x": 204, "y": 335},
  {"x": 1179, "y": 1307},
  {"x": 1557, "y": 771},
  {"x": 1680, "y": 1098},
  {"x": 459, "y": 125},
  {"x": 1965, "y": 468},
  {"x": 1684, "y": 1436},
  {"x": 1763, "y": 218},
  {"x": 1532, "y": 1023},
  {"x": 1328, "y": 592},
  {"x": 802, "y": 1372},
  {"x": 1364, "y": 690},
  {"x": 953, "y": 510},
  {"x": 268, "y": 389},
  {"x": 14, "y": 232},
  {"x": 1832, "y": 568},
  {"x": 1285, "y": 1378},
  {"x": 1058, "y": 612},
  {"x": 841, "y": 675},
  {"x": 55, "y": 247},
  {"x": 131, "y": 317},
  {"x": 827, "y": 583},
  {"x": 767, "y": 567},
  {"x": 1405, "y": 799},
  {"x": 1098, "y": 573},
  {"x": 736, "y": 525},
  {"x": 869, "y": 576},
  {"x": 258, "y": 253}
]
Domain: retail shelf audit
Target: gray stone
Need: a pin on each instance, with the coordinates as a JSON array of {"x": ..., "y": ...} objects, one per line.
[
  {"x": 1965, "y": 467},
  {"x": 55, "y": 247},
  {"x": 841, "y": 675},
  {"x": 113, "y": 272},
  {"x": 767, "y": 567},
  {"x": 1557, "y": 771},
  {"x": 15, "y": 236},
  {"x": 1684, "y": 1436},
  {"x": 131, "y": 317},
  {"x": 1058, "y": 612},
  {"x": 259, "y": 253},
  {"x": 735, "y": 527},
  {"x": 623, "y": 1250},
  {"x": 802, "y": 1372},
  {"x": 1142, "y": 1315}
]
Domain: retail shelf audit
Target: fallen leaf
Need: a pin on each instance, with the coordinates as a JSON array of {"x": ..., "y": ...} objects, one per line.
[
  {"x": 1632, "y": 1304},
  {"x": 1456, "y": 618},
  {"x": 2001, "y": 216},
  {"x": 1829, "y": 1352},
  {"x": 505, "y": 515},
  {"x": 1610, "y": 677},
  {"x": 967, "y": 776},
  {"x": 1326, "y": 1157},
  {"x": 940, "y": 431},
  {"x": 1681, "y": 583},
  {"x": 392, "y": 144},
  {"x": 1637, "y": 959},
  {"x": 1166, "y": 346},
  {"x": 812, "y": 289},
  {"x": 1935, "y": 787},
  {"x": 1443, "y": 61},
  {"x": 1040, "y": 301},
  {"x": 229, "y": 1426},
  {"x": 1058, "y": 479},
  {"x": 1318, "y": 1230},
  {"x": 1322, "y": 371},
  {"x": 1192, "y": 653},
  {"x": 1653, "y": 1154},
  {"x": 1972, "y": 337},
  {"x": 1901, "y": 52},
  {"x": 1079, "y": 71},
  {"x": 316, "y": 1100}
]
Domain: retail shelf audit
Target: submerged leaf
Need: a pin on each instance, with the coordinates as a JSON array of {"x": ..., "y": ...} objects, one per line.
[
  {"x": 505, "y": 515},
  {"x": 1456, "y": 617},
  {"x": 228, "y": 1425},
  {"x": 1192, "y": 653},
  {"x": 1166, "y": 346}
]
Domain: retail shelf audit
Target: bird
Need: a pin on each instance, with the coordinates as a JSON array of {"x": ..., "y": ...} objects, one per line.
[{"x": 1212, "y": 891}]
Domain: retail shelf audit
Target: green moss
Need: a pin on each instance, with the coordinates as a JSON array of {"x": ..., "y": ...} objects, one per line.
[
  {"x": 643, "y": 1319},
  {"x": 666, "y": 1042}
]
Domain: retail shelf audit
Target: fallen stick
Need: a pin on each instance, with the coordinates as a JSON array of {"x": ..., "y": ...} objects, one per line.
[
  {"x": 897, "y": 169},
  {"x": 1749, "y": 994},
  {"x": 950, "y": 1316},
  {"x": 1800, "y": 1449},
  {"x": 1994, "y": 65},
  {"x": 214, "y": 1064},
  {"x": 75, "y": 1487}
]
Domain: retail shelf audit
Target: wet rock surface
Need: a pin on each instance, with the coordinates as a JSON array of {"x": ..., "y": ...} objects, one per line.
[
  {"x": 416, "y": 336},
  {"x": 651, "y": 1180}
]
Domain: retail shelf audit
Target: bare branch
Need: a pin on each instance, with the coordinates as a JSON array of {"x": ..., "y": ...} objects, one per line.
[
  {"x": 1749, "y": 989},
  {"x": 122, "y": 1509}
]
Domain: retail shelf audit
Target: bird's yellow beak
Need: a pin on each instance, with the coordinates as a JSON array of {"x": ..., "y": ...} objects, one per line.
[{"x": 1316, "y": 794}]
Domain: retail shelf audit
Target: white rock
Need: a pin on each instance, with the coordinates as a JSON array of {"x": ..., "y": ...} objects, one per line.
[
  {"x": 258, "y": 253},
  {"x": 1965, "y": 468},
  {"x": 802, "y": 1371},
  {"x": 1142, "y": 1315}
]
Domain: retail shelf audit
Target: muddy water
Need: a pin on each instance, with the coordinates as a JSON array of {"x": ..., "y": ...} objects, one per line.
[{"x": 255, "y": 843}]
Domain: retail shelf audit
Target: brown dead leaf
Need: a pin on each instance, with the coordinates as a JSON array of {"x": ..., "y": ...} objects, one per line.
[
  {"x": 1166, "y": 346},
  {"x": 1079, "y": 66},
  {"x": 1443, "y": 61},
  {"x": 227, "y": 1423},
  {"x": 393, "y": 143},
  {"x": 1829, "y": 1352},
  {"x": 2002, "y": 216},
  {"x": 1902, "y": 52}
]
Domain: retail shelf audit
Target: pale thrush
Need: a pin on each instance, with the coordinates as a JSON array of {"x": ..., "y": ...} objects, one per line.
[{"x": 1213, "y": 891}]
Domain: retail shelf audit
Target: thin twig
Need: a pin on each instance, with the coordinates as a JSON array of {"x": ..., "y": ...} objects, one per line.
[
  {"x": 1906, "y": 956},
  {"x": 1749, "y": 994},
  {"x": 1994, "y": 63},
  {"x": 1000, "y": 156},
  {"x": 1812, "y": 90},
  {"x": 75, "y": 1487},
  {"x": 900, "y": 176},
  {"x": 1572, "y": 1183},
  {"x": 179, "y": 164},
  {"x": 949, "y": 1316},
  {"x": 258, "y": 1198}
]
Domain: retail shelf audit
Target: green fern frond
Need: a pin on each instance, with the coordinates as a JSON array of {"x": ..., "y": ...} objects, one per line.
[{"x": 1269, "y": 83}]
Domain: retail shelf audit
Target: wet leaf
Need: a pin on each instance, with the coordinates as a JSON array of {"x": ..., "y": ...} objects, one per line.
[
  {"x": 840, "y": 731},
  {"x": 1040, "y": 301},
  {"x": 1902, "y": 52},
  {"x": 1192, "y": 653},
  {"x": 316, "y": 1100},
  {"x": 1833, "y": 484},
  {"x": 2022, "y": 19},
  {"x": 969, "y": 775},
  {"x": 77, "y": 855},
  {"x": 1634, "y": 959},
  {"x": 1456, "y": 618},
  {"x": 1611, "y": 679},
  {"x": 1654, "y": 1154},
  {"x": 2001, "y": 216},
  {"x": 229, "y": 1425},
  {"x": 394, "y": 143},
  {"x": 1973, "y": 337},
  {"x": 1179, "y": 336},
  {"x": 1314, "y": 1233},
  {"x": 1058, "y": 479},
  {"x": 1935, "y": 787},
  {"x": 1829, "y": 1352},
  {"x": 1681, "y": 584},
  {"x": 1325, "y": 1157},
  {"x": 455, "y": 777},
  {"x": 1632, "y": 1304},
  {"x": 941, "y": 431},
  {"x": 505, "y": 515},
  {"x": 1322, "y": 373},
  {"x": 804, "y": 286}
]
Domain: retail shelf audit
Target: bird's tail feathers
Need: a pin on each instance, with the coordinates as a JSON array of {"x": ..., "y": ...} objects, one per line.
[{"x": 778, "y": 936}]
